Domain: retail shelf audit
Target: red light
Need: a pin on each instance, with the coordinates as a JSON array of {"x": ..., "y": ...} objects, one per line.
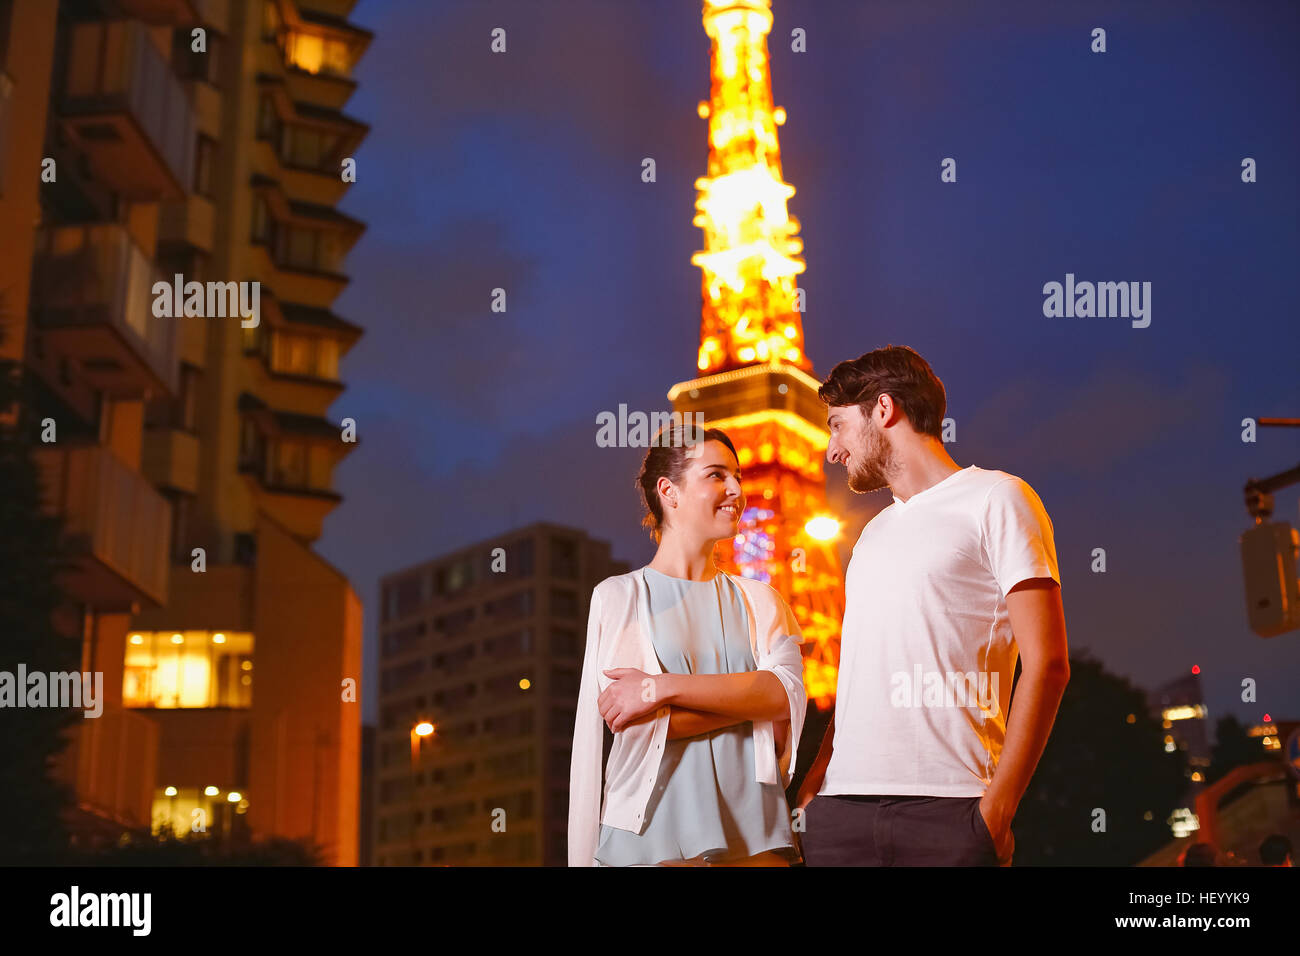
[
  {"x": 1268, "y": 719},
  {"x": 1196, "y": 668}
]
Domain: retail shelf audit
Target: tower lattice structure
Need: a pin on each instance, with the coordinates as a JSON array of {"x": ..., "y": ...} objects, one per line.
[{"x": 755, "y": 379}]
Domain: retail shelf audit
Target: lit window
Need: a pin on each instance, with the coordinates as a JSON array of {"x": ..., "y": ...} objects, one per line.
[
  {"x": 178, "y": 809},
  {"x": 313, "y": 53},
  {"x": 197, "y": 671}
]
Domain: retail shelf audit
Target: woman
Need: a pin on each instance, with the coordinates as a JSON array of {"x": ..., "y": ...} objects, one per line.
[{"x": 698, "y": 675}]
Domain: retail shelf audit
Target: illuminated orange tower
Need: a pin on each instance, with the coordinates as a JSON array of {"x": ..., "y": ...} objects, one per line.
[{"x": 755, "y": 380}]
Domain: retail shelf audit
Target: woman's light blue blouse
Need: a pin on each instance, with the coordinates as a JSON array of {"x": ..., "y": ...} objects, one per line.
[{"x": 706, "y": 802}]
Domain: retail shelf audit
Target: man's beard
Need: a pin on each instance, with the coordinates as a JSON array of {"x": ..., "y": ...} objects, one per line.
[{"x": 874, "y": 465}]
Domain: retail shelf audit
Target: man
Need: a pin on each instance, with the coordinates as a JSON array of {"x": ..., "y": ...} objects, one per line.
[{"x": 920, "y": 765}]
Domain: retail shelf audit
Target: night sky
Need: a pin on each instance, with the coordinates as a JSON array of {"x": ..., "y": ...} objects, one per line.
[{"x": 523, "y": 170}]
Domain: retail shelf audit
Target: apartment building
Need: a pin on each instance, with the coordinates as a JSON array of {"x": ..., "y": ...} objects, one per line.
[
  {"x": 480, "y": 658},
  {"x": 193, "y": 464}
]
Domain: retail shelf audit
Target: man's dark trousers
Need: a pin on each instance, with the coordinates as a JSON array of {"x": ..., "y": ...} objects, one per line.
[{"x": 853, "y": 830}]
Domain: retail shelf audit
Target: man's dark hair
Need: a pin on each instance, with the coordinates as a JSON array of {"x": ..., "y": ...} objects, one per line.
[
  {"x": 898, "y": 372},
  {"x": 1274, "y": 850}
]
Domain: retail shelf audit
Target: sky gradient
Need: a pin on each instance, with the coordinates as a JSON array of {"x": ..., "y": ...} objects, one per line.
[{"x": 523, "y": 171}]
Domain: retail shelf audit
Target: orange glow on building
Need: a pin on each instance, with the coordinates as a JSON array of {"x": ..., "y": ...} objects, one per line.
[{"x": 755, "y": 379}]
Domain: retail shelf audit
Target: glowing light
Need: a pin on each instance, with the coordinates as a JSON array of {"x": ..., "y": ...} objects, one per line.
[
  {"x": 233, "y": 796},
  {"x": 137, "y": 639},
  {"x": 1184, "y": 712},
  {"x": 210, "y": 791},
  {"x": 524, "y": 683},
  {"x": 822, "y": 527},
  {"x": 177, "y": 639},
  {"x": 218, "y": 638},
  {"x": 752, "y": 326},
  {"x": 1196, "y": 668},
  {"x": 423, "y": 729},
  {"x": 170, "y": 791},
  {"x": 751, "y": 247}
]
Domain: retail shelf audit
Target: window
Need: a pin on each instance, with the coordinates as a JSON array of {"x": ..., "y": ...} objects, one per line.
[
  {"x": 252, "y": 448},
  {"x": 270, "y": 20},
  {"x": 310, "y": 148},
  {"x": 524, "y": 558},
  {"x": 263, "y": 227},
  {"x": 564, "y": 680},
  {"x": 187, "y": 404},
  {"x": 316, "y": 53},
  {"x": 289, "y": 464},
  {"x": 510, "y": 725},
  {"x": 453, "y": 661},
  {"x": 184, "y": 669},
  {"x": 395, "y": 678},
  {"x": 182, "y": 410},
  {"x": 456, "y": 696},
  {"x": 193, "y": 65},
  {"x": 312, "y": 249},
  {"x": 564, "y": 603},
  {"x": 452, "y": 624},
  {"x": 268, "y": 123},
  {"x": 564, "y": 558},
  {"x": 225, "y": 811},
  {"x": 403, "y": 639},
  {"x": 182, "y": 516},
  {"x": 315, "y": 356},
  {"x": 564, "y": 642},
  {"x": 453, "y": 577},
  {"x": 514, "y": 644},
  {"x": 562, "y": 718},
  {"x": 519, "y": 604},
  {"x": 205, "y": 158}
]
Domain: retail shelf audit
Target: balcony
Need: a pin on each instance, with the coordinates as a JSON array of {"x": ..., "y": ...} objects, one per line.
[
  {"x": 189, "y": 221},
  {"x": 111, "y": 762},
  {"x": 118, "y": 527},
  {"x": 92, "y": 299},
  {"x": 170, "y": 458},
  {"x": 126, "y": 108}
]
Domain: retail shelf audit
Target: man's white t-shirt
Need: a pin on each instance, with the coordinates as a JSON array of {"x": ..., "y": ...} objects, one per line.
[{"x": 926, "y": 652}]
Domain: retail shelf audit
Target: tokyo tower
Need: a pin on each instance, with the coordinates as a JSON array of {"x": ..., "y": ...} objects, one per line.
[{"x": 755, "y": 380}]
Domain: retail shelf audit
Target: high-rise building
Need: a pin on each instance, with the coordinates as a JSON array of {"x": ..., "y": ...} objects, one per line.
[
  {"x": 755, "y": 378},
  {"x": 480, "y": 659},
  {"x": 179, "y": 142},
  {"x": 1180, "y": 707}
]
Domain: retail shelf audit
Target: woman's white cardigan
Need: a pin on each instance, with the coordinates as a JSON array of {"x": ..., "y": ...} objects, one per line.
[{"x": 615, "y": 639}]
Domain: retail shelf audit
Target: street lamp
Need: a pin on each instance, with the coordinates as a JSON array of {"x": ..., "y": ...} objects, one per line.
[
  {"x": 420, "y": 729},
  {"x": 822, "y": 528}
]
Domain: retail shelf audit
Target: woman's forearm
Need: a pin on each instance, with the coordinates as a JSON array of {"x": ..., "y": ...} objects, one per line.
[
  {"x": 685, "y": 722},
  {"x": 751, "y": 695}
]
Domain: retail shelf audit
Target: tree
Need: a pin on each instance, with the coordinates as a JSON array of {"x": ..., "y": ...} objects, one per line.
[
  {"x": 1233, "y": 748},
  {"x": 32, "y": 802},
  {"x": 1106, "y": 753}
]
